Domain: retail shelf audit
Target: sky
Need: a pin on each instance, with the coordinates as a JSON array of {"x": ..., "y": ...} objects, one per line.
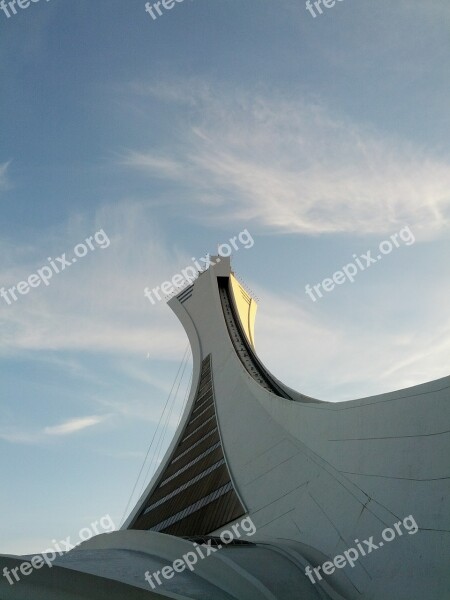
[{"x": 158, "y": 139}]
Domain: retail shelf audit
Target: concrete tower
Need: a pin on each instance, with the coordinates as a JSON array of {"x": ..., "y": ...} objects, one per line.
[{"x": 347, "y": 500}]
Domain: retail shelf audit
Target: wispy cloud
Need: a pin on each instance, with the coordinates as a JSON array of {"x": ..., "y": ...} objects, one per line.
[
  {"x": 20, "y": 437},
  {"x": 98, "y": 305},
  {"x": 4, "y": 183},
  {"x": 14, "y": 436},
  {"x": 361, "y": 355},
  {"x": 75, "y": 425},
  {"x": 294, "y": 166}
]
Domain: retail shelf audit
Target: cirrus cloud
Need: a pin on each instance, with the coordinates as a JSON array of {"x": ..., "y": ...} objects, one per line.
[
  {"x": 4, "y": 183},
  {"x": 75, "y": 425},
  {"x": 293, "y": 166}
]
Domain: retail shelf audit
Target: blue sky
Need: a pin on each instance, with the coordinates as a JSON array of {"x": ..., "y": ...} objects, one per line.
[{"x": 321, "y": 136}]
